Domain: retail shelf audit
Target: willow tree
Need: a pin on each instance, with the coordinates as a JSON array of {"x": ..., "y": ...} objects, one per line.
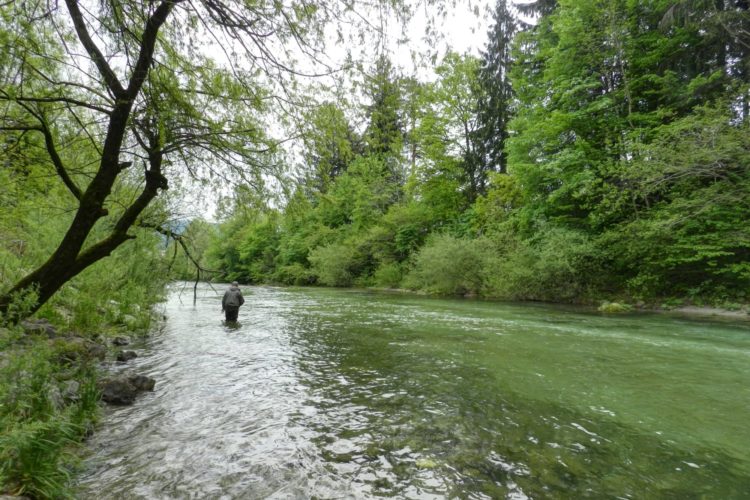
[{"x": 152, "y": 90}]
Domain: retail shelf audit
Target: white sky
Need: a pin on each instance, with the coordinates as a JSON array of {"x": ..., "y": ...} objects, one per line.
[{"x": 463, "y": 30}]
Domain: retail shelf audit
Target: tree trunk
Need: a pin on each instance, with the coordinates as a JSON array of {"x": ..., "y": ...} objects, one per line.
[{"x": 46, "y": 280}]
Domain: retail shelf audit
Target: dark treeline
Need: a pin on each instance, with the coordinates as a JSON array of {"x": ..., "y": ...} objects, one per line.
[{"x": 601, "y": 151}]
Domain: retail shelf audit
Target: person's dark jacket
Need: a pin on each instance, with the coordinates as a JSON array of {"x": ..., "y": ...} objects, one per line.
[{"x": 232, "y": 298}]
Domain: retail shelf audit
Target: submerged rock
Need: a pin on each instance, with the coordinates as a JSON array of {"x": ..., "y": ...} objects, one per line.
[
  {"x": 121, "y": 341},
  {"x": 142, "y": 382},
  {"x": 124, "y": 356},
  {"x": 123, "y": 390},
  {"x": 426, "y": 463},
  {"x": 118, "y": 392}
]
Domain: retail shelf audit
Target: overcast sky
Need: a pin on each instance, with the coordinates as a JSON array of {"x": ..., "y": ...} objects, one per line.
[{"x": 463, "y": 30}]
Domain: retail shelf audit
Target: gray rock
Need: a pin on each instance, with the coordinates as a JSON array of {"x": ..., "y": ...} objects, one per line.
[
  {"x": 124, "y": 356},
  {"x": 121, "y": 341},
  {"x": 39, "y": 327},
  {"x": 55, "y": 398},
  {"x": 96, "y": 351},
  {"x": 123, "y": 390},
  {"x": 76, "y": 349},
  {"x": 71, "y": 390},
  {"x": 118, "y": 392},
  {"x": 142, "y": 382}
]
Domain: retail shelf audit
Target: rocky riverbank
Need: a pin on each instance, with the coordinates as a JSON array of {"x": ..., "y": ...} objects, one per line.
[
  {"x": 120, "y": 389},
  {"x": 52, "y": 386}
]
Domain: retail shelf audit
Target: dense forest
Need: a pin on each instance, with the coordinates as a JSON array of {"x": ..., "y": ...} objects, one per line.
[{"x": 596, "y": 150}]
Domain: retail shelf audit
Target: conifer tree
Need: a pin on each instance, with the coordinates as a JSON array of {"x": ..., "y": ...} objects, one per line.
[
  {"x": 384, "y": 136},
  {"x": 496, "y": 98}
]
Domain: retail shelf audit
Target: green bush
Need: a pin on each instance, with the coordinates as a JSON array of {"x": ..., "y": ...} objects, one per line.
[
  {"x": 39, "y": 429},
  {"x": 389, "y": 275},
  {"x": 30, "y": 458},
  {"x": 294, "y": 274},
  {"x": 19, "y": 307},
  {"x": 332, "y": 264},
  {"x": 558, "y": 264},
  {"x": 447, "y": 265}
]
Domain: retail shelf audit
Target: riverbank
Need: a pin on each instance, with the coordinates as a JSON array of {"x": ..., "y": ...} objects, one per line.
[
  {"x": 740, "y": 312},
  {"x": 50, "y": 390}
]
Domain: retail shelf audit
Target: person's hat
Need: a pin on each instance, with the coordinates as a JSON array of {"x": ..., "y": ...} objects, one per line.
[{"x": 234, "y": 283}]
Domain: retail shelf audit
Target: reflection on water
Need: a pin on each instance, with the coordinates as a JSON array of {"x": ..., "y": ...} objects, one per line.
[{"x": 341, "y": 394}]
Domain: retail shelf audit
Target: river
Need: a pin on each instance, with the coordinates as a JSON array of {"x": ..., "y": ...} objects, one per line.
[{"x": 321, "y": 393}]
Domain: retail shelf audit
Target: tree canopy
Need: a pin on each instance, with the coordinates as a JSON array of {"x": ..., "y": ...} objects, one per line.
[
  {"x": 137, "y": 93},
  {"x": 594, "y": 150}
]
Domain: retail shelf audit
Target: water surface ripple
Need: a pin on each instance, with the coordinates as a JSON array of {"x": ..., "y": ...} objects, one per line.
[{"x": 352, "y": 394}]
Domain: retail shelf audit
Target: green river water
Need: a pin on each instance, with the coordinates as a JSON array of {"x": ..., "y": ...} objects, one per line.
[{"x": 322, "y": 393}]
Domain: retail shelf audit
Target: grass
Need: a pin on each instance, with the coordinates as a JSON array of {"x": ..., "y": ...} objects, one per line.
[
  {"x": 40, "y": 431},
  {"x": 42, "y": 421}
]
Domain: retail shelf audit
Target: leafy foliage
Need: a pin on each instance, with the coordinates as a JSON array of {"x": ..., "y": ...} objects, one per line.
[
  {"x": 450, "y": 266},
  {"x": 617, "y": 133},
  {"x": 40, "y": 428}
]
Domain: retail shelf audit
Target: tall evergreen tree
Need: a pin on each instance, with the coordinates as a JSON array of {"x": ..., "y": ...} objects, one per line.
[
  {"x": 588, "y": 86},
  {"x": 536, "y": 8},
  {"x": 384, "y": 136},
  {"x": 330, "y": 145},
  {"x": 496, "y": 97},
  {"x": 722, "y": 43}
]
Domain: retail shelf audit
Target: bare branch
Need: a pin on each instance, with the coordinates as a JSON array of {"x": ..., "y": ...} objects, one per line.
[
  {"x": 85, "y": 129},
  {"x": 65, "y": 83},
  {"x": 25, "y": 128},
  {"x": 180, "y": 239}
]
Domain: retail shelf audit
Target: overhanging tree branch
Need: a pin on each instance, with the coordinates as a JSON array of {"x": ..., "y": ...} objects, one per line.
[
  {"x": 96, "y": 55},
  {"x": 148, "y": 42},
  {"x": 220, "y": 129},
  {"x": 179, "y": 239},
  {"x": 49, "y": 142},
  {"x": 61, "y": 99}
]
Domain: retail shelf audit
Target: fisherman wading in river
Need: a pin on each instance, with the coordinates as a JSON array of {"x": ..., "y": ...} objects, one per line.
[{"x": 231, "y": 302}]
